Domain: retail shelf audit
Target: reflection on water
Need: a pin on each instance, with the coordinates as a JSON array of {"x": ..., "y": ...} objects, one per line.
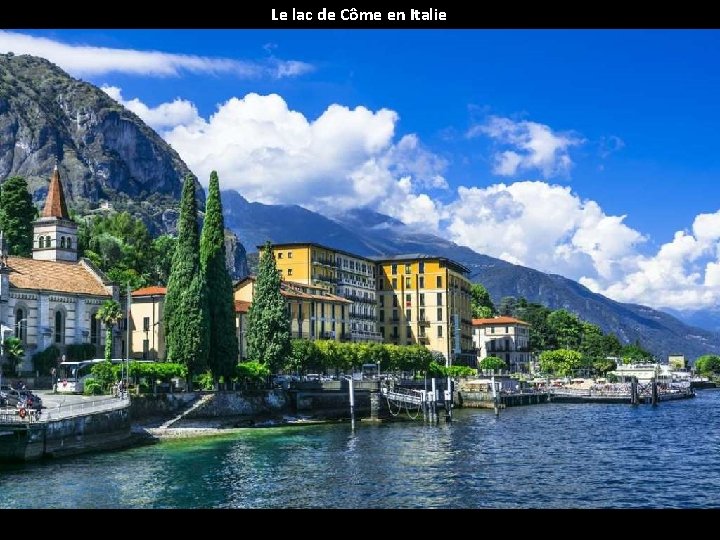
[{"x": 552, "y": 455}]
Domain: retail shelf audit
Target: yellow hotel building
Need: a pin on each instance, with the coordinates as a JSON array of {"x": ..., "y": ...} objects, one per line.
[
  {"x": 339, "y": 272},
  {"x": 419, "y": 299},
  {"x": 314, "y": 312}
]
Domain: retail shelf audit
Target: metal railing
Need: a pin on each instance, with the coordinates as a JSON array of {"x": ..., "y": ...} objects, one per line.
[{"x": 11, "y": 415}]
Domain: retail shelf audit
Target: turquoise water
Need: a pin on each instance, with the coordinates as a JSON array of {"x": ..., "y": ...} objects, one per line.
[{"x": 545, "y": 456}]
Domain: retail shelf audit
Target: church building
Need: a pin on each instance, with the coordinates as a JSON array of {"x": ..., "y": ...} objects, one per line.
[{"x": 52, "y": 298}]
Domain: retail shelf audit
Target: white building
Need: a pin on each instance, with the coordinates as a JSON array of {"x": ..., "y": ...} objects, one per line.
[
  {"x": 506, "y": 338},
  {"x": 52, "y": 298}
]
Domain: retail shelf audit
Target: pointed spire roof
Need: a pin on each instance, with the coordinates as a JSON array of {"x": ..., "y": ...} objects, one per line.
[{"x": 55, "y": 202}]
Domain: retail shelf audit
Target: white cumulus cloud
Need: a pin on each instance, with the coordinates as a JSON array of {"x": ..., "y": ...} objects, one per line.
[
  {"x": 81, "y": 60},
  {"x": 527, "y": 146},
  {"x": 345, "y": 158}
]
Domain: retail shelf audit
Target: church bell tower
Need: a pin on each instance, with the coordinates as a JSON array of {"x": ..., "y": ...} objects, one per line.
[{"x": 54, "y": 233}]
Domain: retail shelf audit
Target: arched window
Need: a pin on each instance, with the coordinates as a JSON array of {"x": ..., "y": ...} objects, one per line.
[
  {"x": 69, "y": 243},
  {"x": 94, "y": 329},
  {"x": 41, "y": 242},
  {"x": 59, "y": 327},
  {"x": 47, "y": 241},
  {"x": 20, "y": 325},
  {"x": 62, "y": 242}
]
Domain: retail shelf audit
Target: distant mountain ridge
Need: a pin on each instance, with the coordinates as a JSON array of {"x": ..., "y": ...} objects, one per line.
[
  {"x": 105, "y": 153},
  {"x": 368, "y": 233}
]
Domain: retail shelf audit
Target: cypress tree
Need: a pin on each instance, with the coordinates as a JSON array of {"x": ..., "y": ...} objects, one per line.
[
  {"x": 16, "y": 215},
  {"x": 185, "y": 313},
  {"x": 268, "y": 334},
  {"x": 223, "y": 346}
]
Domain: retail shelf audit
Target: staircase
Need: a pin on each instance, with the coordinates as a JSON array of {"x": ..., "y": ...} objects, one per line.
[{"x": 195, "y": 406}]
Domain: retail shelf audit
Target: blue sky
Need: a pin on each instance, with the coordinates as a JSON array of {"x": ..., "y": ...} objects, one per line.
[{"x": 590, "y": 153}]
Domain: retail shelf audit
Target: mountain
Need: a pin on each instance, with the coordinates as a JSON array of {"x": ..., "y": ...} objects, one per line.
[
  {"x": 366, "y": 232},
  {"x": 106, "y": 154}
]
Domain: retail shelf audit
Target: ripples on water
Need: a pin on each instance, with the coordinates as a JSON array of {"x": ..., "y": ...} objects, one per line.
[{"x": 545, "y": 456}]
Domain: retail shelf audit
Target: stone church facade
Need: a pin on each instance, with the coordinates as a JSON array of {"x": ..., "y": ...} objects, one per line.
[{"x": 52, "y": 298}]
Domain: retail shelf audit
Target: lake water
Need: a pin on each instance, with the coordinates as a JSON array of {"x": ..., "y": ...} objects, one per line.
[{"x": 541, "y": 456}]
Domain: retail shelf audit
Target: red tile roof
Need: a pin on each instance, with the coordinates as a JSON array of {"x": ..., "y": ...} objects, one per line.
[
  {"x": 498, "y": 320},
  {"x": 60, "y": 276},
  {"x": 149, "y": 291},
  {"x": 241, "y": 306},
  {"x": 55, "y": 203}
]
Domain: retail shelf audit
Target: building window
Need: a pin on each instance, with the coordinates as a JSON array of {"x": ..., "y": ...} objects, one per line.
[
  {"x": 421, "y": 267},
  {"x": 394, "y": 283},
  {"x": 41, "y": 242},
  {"x": 279, "y": 255},
  {"x": 289, "y": 270},
  {"x": 382, "y": 332},
  {"x": 94, "y": 329},
  {"x": 62, "y": 241},
  {"x": 408, "y": 268},
  {"x": 393, "y": 269},
  {"x": 395, "y": 315},
  {"x": 439, "y": 331},
  {"x": 422, "y": 299},
  {"x": 439, "y": 282},
  {"x": 408, "y": 283},
  {"x": 422, "y": 314},
  {"x": 381, "y": 300},
  {"x": 59, "y": 327},
  {"x": 68, "y": 243},
  {"x": 20, "y": 325},
  {"x": 395, "y": 331},
  {"x": 146, "y": 324},
  {"x": 421, "y": 282},
  {"x": 439, "y": 299},
  {"x": 408, "y": 300},
  {"x": 439, "y": 314},
  {"x": 289, "y": 254},
  {"x": 47, "y": 241},
  {"x": 382, "y": 315},
  {"x": 507, "y": 330},
  {"x": 408, "y": 332},
  {"x": 380, "y": 283},
  {"x": 395, "y": 303},
  {"x": 507, "y": 344},
  {"x": 146, "y": 348},
  {"x": 408, "y": 315}
]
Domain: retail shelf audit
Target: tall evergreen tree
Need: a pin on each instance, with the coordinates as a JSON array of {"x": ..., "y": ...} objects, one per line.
[
  {"x": 268, "y": 333},
  {"x": 185, "y": 313},
  {"x": 223, "y": 346},
  {"x": 16, "y": 215}
]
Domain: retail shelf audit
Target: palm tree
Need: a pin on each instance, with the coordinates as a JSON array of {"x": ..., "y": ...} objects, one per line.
[
  {"x": 110, "y": 314},
  {"x": 14, "y": 352}
]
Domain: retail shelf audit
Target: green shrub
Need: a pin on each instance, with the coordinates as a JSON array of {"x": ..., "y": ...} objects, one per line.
[
  {"x": 205, "y": 381},
  {"x": 92, "y": 387}
]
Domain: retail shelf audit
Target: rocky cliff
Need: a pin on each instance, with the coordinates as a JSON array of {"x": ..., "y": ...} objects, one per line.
[{"x": 107, "y": 156}]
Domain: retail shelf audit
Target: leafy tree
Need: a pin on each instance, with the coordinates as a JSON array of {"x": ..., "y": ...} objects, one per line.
[
  {"x": 223, "y": 344},
  {"x": 252, "y": 372},
  {"x": 492, "y": 363},
  {"x": 45, "y": 360},
  {"x": 507, "y": 306},
  {"x": 17, "y": 213},
  {"x": 567, "y": 328},
  {"x": 304, "y": 356},
  {"x": 14, "y": 352},
  {"x": 110, "y": 314},
  {"x": 707, "y": 364},
  {"x": 560, "y": 361},
  {"x": 635, "y": 354},
  {"x": 163, "y": 248},
  {"x": 480, "y": 302},
  {"x": 185, "y": 315},
  {"x": 603, "y": 365},
  {"x": 542, "y": 337},
  {"x": 268, "y": 333}
]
